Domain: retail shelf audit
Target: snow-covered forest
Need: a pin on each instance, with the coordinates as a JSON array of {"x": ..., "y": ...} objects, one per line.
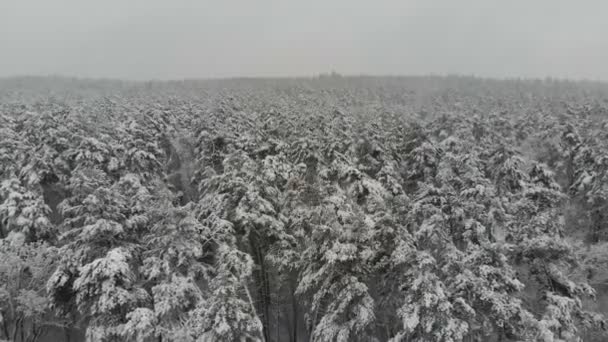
[{"x": 413, "y": 209}]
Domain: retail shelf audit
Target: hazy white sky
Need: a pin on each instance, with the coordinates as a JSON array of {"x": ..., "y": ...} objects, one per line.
[{"x": 173, "y": 39}]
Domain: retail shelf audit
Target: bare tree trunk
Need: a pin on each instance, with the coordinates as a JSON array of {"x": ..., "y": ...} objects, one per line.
[
  {"x": 36, "y": 332},
  {"x": 294, "y": 308},
  {"x": 22, "y": 333},
  {"x": 278, "y": 317},
  {"x": 66, "y": 330},
  {"x": 16, "y": 331},
  {"x": 262, "y": 284},
  {"x": 265, "y": 295},
  {"x": 5, "y": 329}
]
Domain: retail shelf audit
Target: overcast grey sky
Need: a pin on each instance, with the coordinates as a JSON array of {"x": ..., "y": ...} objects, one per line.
[{"x": 174, "y": 39}]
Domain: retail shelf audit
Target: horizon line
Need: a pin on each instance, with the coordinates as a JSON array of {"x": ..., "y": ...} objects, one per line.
[{"x": 331, "y": 74}]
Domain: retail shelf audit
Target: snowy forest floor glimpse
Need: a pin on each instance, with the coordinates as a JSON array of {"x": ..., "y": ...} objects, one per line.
[{"x": 447, "y": 209}]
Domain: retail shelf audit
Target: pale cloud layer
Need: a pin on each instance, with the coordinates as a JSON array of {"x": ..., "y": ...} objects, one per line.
[{"x": 163, "y": 39}]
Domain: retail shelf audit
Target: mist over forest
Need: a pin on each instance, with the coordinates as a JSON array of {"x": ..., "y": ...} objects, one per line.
[{"x": 326, "y": 208}]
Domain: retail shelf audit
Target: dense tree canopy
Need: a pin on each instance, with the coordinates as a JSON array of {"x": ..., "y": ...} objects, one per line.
[{"x": 341, "y": 209}]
